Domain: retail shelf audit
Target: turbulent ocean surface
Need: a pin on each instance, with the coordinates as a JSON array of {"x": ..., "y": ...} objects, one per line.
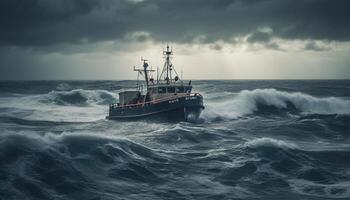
[{"x": 254, "y": 140}]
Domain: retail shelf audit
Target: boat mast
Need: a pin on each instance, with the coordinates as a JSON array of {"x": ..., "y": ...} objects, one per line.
[
  {"x": 145, "y": 65},
  {"x": 144, "y": 70},
  {"x": 167, "y": 53},
  {"x": 168, "y": 67}
]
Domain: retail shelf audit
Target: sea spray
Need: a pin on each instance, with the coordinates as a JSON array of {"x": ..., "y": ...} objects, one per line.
[
  {"x": 269, "y": 142},
  {"x": 248, "y": 101},
  {"x": 80, "y": 97}
]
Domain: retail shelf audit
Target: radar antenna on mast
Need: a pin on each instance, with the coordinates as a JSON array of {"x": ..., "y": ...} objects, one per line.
[
  {"x": 168, "y": 68},
  {"x": 144, "y": 70}
]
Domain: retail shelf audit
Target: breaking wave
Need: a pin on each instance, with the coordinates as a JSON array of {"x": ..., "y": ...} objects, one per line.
[
  {"x": 79, "y": 97},
  {"x": 269, "y": 142},
  {"x": 76, "y": 105},
  {"x": 271, "y": 100}
]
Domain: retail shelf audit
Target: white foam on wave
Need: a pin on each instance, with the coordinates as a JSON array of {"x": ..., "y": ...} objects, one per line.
[
  {"x": 63, "y": 87},
  {"x": 269, "y": 142},
  {"x": 69, "y": 106},
  {"x": 77, "y": 96},
  {"x": 247, "y": 101}
]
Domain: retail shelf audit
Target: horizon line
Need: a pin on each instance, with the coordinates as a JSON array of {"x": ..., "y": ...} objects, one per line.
[{"x": 273, "y": 79}]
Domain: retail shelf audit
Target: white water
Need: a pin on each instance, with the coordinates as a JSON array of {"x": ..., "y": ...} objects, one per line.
[
  {"x": 68, "y": 106},
  {"x": 247, "y": 101},
  {"x": 268, "y": 142}
]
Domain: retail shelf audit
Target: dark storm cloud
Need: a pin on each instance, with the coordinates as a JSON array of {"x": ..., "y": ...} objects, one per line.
[{"x": 49, "y": 22}]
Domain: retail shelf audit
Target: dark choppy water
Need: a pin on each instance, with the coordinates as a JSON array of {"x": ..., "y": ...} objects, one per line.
[{"x": 255, "y": 140}]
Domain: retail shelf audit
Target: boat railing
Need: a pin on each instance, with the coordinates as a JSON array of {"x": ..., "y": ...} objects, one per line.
[{"x": 176, "y": 96}]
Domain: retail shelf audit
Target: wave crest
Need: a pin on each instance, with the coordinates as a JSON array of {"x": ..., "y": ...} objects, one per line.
[
  {"x": 252, "y": 101},
  {"x": 80, "y": 97},
  {"x": 270, "y": 142}
]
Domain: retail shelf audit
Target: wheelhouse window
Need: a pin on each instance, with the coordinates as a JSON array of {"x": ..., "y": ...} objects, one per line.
[
  {"x": 154, "y": 90},
  {"x": 161, "y": 90},
  {"x": 180, "y": 89},
  {"x": 171, "y": 89}
]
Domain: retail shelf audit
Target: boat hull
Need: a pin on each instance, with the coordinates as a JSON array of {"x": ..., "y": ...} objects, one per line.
[{"x": 184, "y": 108}]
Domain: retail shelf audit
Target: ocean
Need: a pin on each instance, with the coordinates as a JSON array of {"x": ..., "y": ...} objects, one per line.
[{"x": 256, "y": 139}]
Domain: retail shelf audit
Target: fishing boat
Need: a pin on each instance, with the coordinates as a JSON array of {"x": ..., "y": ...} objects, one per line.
[{"x": 165, "y": 97}]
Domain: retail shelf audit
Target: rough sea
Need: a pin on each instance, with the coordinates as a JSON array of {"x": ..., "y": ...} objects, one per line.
[{"x": 254, "y": 140}]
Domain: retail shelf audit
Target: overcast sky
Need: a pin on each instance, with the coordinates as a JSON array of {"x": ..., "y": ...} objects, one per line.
[{"x": 222, "y": 39}]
